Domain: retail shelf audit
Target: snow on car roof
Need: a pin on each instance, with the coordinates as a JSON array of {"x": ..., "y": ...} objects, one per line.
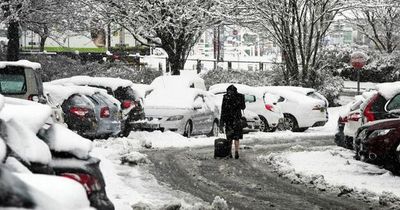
[
  {"x": 178, "y": 81},
  {"x": 60, "y": 93},
  {"x": 141, "y": 89},
  {"x": 288, "y": 94},
  {"x": 21, "y": 63},
  {"x": 298, "y": 89},
  {"x": 61, "y": 139},
  {"x": 173, "y": 97},
  {"x": 244, "y": 89},
  {"x": 112, "y": 83},
  {"x": 388, "y": 89}
]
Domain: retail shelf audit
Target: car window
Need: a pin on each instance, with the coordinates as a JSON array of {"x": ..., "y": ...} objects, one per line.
[
  {"x": 379, "y": 104},
  {"x": 12, "y": 80},
  {"x": 125, "y": 93},
  {"x": 94, "y": 101},
  {"x": 394, "y": 103},
  {"x": 77, "y": 100},
  {"x": 102, "y": 98},
  {"x": 39, "y": 83}
]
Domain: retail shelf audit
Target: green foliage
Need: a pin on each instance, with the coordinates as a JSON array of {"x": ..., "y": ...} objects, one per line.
[
  {"x": 57, "y": 67},
  {"x": 259, "y": 78}
]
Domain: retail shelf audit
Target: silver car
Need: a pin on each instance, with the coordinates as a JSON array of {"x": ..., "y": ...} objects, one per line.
[{"x": 187, "y": 111}]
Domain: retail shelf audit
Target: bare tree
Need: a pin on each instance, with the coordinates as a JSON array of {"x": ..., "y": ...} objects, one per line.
[
  {"x": 173, "y": 25},
  {"x": 379, "y": 21},
  {"x": 297, "y": 26}
]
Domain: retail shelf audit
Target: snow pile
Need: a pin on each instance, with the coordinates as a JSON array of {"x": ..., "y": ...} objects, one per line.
[
  {"x": 134, "y": 158},
  {"x": 26, "y": 144},
  {"x": 61, "y": 139},
  {"x": 3, "y": 150},
  {"x": 389, "y": 89},
  {"x": 61, "y": 93},
  {"x": 335, "y": 169},
  {"x": 110, "y": 82},
  {"x": 32, "y": 114}
]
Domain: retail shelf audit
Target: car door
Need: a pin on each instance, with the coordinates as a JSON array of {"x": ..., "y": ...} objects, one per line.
[
  {"x": 211, "y": 112},
  {"x": 199, "y": 116}
]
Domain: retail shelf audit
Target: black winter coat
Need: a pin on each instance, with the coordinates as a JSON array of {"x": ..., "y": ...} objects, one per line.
[{"x": 232, "y": 104}]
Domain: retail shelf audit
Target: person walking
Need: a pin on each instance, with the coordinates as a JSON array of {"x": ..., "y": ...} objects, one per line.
[{"x": 232, "y": 104}]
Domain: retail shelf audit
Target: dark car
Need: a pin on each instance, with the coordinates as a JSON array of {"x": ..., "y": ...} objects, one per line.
[
  {"x": 378, "y": 141},
  {"x": 121, "y": 89}
]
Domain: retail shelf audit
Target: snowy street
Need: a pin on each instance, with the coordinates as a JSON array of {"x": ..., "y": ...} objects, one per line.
[{"x": 282, "y": 170}]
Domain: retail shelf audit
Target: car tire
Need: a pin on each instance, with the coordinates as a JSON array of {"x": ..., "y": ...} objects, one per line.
[
  {"x": 215, "y": 129},
  {"x": 188, "y": 129},
  {"x": 264, "y": 127},
  {"x": 290, "y": 123}
]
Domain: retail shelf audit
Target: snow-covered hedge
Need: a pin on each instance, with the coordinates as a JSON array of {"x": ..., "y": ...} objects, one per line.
[
  {"x": 57, "y": 67},
  {"x": 259, "y": 78}
]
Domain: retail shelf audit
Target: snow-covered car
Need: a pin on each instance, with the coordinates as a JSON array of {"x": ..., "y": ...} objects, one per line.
[
  {"x": 121, "y": 89},
  {"x": 178, "y": 81},
  {"x": 38, "y": 147},
  {"x": 89, "y": 111},
  {"x": 187, "y": 111},
  {"x": 265, "y": 105},
  {"x": 310, "y": 92},
  {"x": 21, "y": 79},
  {"x": 300, "y": 111}
]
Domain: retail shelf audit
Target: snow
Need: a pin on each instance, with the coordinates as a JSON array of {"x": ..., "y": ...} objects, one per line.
[
  {"x": 21, "y": 63},
  {"x": 244, "y": 89},
  {"x": 14, "y": 165},
  {"x": 288, "y": 94},
  {"x": 61, "y": 139},
  {"x": 112, "y": 83},
  {"x": 389, "y": 89},
  {"x": 141, "y": 89},
  {"x": 26, "y": 144},
  {"x": 172, "y": 98},
  {"x": 178, "y": 81},
  {"x": 61, "y": 93},
  {"x": 32, "y": 114},
  {"x": 333, "y": 167},
  {"x": 66, "y": 193},
  {"x": 3, "y": 150}
]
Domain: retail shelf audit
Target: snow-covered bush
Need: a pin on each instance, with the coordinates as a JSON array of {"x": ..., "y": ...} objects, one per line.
[
  {"x": 57, "y": 67},
  {"x": 259, "y": 78}
]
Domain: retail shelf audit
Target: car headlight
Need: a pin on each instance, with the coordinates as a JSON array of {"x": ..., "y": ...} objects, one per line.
[
  {"x": 382, "y": 132},
  {"x": 175, "y": 118},
  {"x": 363, "y": 134}
]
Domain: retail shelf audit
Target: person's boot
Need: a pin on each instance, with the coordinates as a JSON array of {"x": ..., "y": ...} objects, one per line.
[{"x": 236, "y": 155}]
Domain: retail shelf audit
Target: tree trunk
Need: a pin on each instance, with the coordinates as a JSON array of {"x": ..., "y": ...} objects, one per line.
[
  {"x": 13, "y": 41},
  {"x": 42, "y": 43},
  {"x": 176, "y": 63}
]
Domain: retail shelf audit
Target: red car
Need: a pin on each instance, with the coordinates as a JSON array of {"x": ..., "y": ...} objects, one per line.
[{"x": 379, "y": 141}]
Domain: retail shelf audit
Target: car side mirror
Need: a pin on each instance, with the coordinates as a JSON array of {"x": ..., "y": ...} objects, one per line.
[{"x": 249, "y": 98}]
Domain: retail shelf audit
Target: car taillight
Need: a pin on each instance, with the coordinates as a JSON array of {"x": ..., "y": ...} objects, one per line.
[
  {"x": 126, "y": 104},
  {"x": 368, "y": 113},
  {"x": 33, "y": 98},
  {"x": 90, "y": 183},
  {"x": 354, "y": 117},
  {"x": 269, "y": 107},
  {"x": 105, "y": 112},
  {"x": 342, "y": 120},
  {"x": 78, "y": 111}
]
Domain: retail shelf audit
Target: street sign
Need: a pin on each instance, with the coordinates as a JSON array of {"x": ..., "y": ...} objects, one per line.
[{"x": 358, "y": 60}]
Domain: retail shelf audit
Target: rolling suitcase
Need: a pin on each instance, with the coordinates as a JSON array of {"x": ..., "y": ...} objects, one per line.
[{"x": 222, "y": 148}]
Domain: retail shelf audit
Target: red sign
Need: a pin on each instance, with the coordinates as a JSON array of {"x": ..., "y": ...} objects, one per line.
[{"x": 358, "y": 60}]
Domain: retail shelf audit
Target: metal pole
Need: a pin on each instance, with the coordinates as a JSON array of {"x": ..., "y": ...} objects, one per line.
[{"x": 358, "y": 81}]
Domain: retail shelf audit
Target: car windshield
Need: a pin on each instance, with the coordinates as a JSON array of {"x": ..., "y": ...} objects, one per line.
[
  {"x": 394, "y": 104},
  {"x": 12, "y": 80}
]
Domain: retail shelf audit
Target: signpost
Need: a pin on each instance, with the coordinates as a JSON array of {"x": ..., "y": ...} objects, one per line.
[{"x": 358, "y": 61}]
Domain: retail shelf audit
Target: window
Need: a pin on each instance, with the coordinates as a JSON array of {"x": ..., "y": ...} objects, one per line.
[
  {"x": 12, "y": 80},
  {"x": 394, "y": 103}
]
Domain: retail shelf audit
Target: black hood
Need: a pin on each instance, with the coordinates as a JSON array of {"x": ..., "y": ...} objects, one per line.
[{"x": 231, "y": 89}]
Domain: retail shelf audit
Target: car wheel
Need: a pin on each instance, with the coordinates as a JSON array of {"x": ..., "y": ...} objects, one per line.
[
  {"x": 215, "y": 129},
  {"x": 290, "y": 123},
  {"x": 264, "y": 124},
  {"x": 188, "y": 129}
]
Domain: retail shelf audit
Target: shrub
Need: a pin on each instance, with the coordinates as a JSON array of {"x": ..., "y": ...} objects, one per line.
[{"x": 261, "y": 78}]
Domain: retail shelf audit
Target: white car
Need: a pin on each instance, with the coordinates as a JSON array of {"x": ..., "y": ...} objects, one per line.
[
  {"x": 185, "y": 110},
  {"x": 311, "y": 92},
  {"x": 300, "y": 111},
  {"x": 265, "y": 105},
  {"x": 254, "y": 122}
]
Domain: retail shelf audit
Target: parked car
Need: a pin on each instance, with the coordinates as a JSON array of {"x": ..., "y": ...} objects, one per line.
[
  {"x": 300, "y": 111},
  {"x": 188, "y": 111},
  {"x": 254, "y": 123},
  {"x": 50, "y": 148},
  {"x": 265, "y": 104},
  {"x": 121, "y": 89},
  {"x": 310, "y": 92},
  {"x": 21, "y": 79},
  {"x": 89, "y": 111}
]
